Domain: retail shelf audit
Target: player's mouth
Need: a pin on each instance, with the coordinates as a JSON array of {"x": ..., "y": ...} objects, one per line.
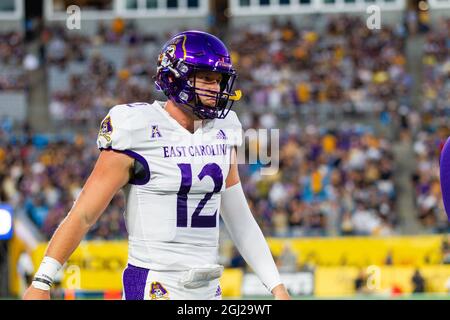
[{"x": 210, "y": 102}]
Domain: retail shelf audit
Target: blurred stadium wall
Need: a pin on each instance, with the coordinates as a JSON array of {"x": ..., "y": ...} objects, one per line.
[{"x": 329, "y": 267}]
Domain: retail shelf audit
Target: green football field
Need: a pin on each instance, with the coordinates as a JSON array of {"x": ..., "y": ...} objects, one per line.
[{"x": 423, "y": 296}]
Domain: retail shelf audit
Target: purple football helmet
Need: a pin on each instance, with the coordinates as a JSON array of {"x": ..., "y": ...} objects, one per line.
[{"x": 184, "y": 55}]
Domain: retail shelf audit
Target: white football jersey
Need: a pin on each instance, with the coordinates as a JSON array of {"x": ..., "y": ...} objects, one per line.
[{"x": 172, "y": 214}]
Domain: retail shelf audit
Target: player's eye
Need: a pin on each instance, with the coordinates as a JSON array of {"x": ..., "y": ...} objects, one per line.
[
  {"x": 215, "y": 81},
  {"x": 209, "y": 79}
]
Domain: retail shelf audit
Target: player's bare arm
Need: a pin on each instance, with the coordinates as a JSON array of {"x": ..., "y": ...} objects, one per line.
[{"x": 111, "y": 172}]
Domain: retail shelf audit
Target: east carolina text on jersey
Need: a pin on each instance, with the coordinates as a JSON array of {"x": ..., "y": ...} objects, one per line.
[{"x": 195, "y": 151}]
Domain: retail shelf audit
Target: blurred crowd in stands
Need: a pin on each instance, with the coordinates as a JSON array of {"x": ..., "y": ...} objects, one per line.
[
  {"x": 345, "y": 68},
  {"x": 434, "y": 129},
  {"x": 335, "y": 180},
  {"x": 12, "y": 59},
  {"x": 283, "y": 70},
  {"x": 99, "y": 83},
  {"x": 41, "y": 177},
  {"x": 330, "y": 182}
]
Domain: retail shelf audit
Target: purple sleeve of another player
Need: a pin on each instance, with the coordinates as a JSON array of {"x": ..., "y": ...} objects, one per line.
[{"x": 445, "y": 176}]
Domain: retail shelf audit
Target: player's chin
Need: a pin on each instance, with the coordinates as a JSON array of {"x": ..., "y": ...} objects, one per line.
[{"x": 211, "y": 103}]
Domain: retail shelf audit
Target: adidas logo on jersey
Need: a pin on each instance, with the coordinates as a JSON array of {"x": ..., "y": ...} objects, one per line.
[
  {"x": 218, "y": 291},
  {"x": 221, "y": 135}
]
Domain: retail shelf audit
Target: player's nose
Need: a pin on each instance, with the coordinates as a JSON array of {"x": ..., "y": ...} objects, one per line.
[{"x": 215, "y": 86}]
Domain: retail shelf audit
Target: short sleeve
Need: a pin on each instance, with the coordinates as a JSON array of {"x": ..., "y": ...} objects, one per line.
[
  {"x": 115, "y": 131},
  {"x": 235, "y": 128}
]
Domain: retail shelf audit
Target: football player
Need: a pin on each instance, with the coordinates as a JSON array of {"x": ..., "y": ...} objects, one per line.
[{"x": 176, "y": 161}]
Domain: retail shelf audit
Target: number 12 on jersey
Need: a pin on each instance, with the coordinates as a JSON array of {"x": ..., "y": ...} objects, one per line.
[{"x": 205, "y": 221}]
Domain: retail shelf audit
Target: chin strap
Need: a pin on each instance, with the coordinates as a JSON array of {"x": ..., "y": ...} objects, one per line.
[{"x": 237, "y": 95}]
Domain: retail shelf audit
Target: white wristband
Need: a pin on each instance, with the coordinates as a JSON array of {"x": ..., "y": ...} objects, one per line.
[
  {"x": 40, "y": 285},
  {"x": 48, "y": 269}
]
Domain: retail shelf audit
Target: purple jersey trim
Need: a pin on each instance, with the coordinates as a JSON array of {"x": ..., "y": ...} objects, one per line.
[
  {"x": 445, "y": 176},
  {"x": 141, "y": 160},
  {"x": 134, "y": 280},
  {"x": 135, "y": 104}
]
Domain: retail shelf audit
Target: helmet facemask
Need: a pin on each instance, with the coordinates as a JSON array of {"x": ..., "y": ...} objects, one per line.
[
  {"x": 222, "y": 104},
  {"x": 182, "y": 58}
]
